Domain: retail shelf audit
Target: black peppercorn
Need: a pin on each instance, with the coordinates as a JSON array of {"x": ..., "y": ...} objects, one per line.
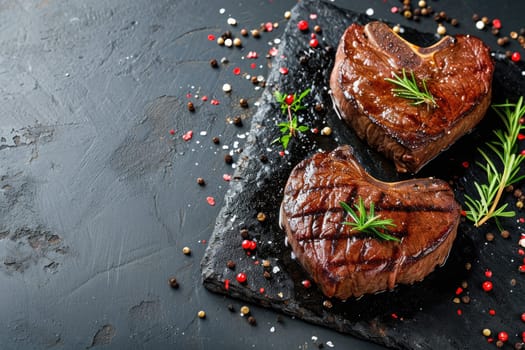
[
  {"x": 243, "y": 103},
  {"x": 252, "y": 321},
  {"x": 214, "y": 63},
  {"x": 230, "y": 264},
  {"x": 228, "y": 159},
  {"x": 191, "y": 107},
  {"x": 216, "y": 140},
  {"x": 201, "y": 181},
  {"x": 263, "y": 158},
  {"x": 173, "y": 282},
  {"x": 237, "y": 121},
  {"x": 231, "y": 308}
]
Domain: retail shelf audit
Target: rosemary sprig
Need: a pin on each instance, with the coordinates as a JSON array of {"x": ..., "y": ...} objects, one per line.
[
  {"x": 290, "y": 104},
  {"x": 368, "y": 222},
  {"x": 505, "y": 148},
  {"x": 408, "y": 88}
]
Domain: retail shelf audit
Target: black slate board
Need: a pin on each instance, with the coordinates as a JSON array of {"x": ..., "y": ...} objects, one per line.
[{"x": 421, "y": 316}]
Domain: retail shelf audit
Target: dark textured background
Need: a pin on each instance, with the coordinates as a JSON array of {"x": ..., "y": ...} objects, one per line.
[{"x": 97, "y": 199}]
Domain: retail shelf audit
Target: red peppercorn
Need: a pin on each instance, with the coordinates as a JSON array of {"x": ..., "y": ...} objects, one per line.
[
  {"x": 492, "y": 312},
  {"x": 487, "y": 286},
  {"x": 459, "y": 290},
  {"x": 241, "y": 277},
  {"x": 496, "y": 23},
  {"x": 283, "y": 70},
  {"x": 488, "y": 273},
  {"x": 515, "y": 57},
  {"x": 302, "y": 25},
  {"x": 503, "y": 336},
  {"x": 253, "y": 245},
  {"x": 172, "y": 132},
  {"x": 314, "y": 43},
  {"x": 523, "y": 317},
  {"x": 246, "y": 244},
  {"x": 306, "y": 284},
  {"x": 289, "y": 99}
]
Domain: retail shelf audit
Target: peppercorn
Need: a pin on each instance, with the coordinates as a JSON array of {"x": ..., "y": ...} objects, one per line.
[
  {"x": 456, "y": 300},
  {"x": 486, "y": 332},
  {"x": 263, "y": 158},
  {"x": 254, "y": 80},
  {"x": 495, "y": 31},
  {"x": 513, "y": 35},
  {"x": 231, "y": 308},
  {"x": 201, "y": 314},
  {"x": 465, "y": 299},
  {"x": 228, "y": 159},
  {"x": 422, "y": 3},
  {"x": 244, "y": 233},
  {"x": 454, "y": 22},
  {"x": 326, "y": 131},
  {"x": 505, "y": 234},
  {"x": 243, "y": 103},
  {"x": 186, "y": 250},
  {"x": 485, "y": 20},
  {"x": 261, "y": 217},
  {"x": 201, "y": 181},
  {"x": 266, "y": 263},
  {"x": 245, "y": 310},
  {"x": 215, "y": 140},
  {"x": 407, "y": 14},
  {"x": 252, "y": 321},
  {"x": 489, "y": 236},
  {"x": 214, "y": 63},
  {"x": 237, "y": 121},
  {"x": 317, "y": 29},
  {"x": 230, "y": 264},
  {"x": 220, "y": 40},
  {"x": 173, "y": 282},
  {"x": 468, "y": 266},
  {"x": 327, "y": 304},
  {"x": 237, "y": 42},
  {"x": 256, "y": 33},
  {"x": 475, "y": 17},
  {"x": 244, "y": 32},
  {"x": 519, "y": 204},
  {"x": 191, "y": 107},
  {"x": 502, "y": 41},
  {"x": 441, "y": 30},
  {"x": 267, "y": 275},
  {"x": 318, "y": 107}
]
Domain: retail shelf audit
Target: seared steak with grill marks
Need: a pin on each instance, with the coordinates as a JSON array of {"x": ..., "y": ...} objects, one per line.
[
  {"x": 456, "y": 70},
  {"x": 345, "y": 263}
]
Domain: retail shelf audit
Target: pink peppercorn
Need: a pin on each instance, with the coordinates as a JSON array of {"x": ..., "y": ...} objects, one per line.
[{"x": 302, "y": 25}]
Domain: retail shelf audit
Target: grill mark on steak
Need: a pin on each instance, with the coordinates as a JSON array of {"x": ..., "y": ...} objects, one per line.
[{"x": 345, "y": 263}]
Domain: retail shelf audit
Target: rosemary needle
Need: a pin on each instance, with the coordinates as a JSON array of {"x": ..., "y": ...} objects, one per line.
[
  {"x": 505, "y": 148},
  {"x": 368, "y": 222},
  {"x": 408, "y": 88}
]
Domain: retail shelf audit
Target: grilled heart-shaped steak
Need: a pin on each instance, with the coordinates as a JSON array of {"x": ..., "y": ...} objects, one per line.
[
  {"x": 345, "y": 263},
  {"x": 457, "y": 72}
]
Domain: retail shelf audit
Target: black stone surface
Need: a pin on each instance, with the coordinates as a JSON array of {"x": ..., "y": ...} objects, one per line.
[{"x": 422, "y": 316}]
